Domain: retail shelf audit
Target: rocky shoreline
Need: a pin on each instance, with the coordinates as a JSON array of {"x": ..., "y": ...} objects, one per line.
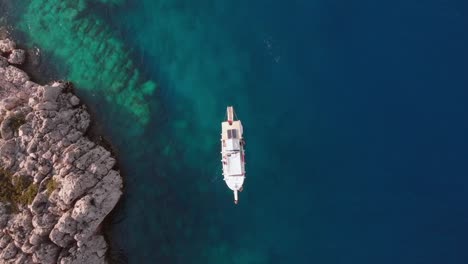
[{"x": 56, "y": 185}]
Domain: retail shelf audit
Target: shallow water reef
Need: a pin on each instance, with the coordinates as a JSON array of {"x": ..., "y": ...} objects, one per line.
[
  {"x": 109, "y": 1},
  {"x": 92, "y": 55}
]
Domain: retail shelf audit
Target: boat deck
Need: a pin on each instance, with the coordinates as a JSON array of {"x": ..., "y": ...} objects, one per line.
[
  {"x": 225, "y": 127},
  {"x": 232, "y": 153}
]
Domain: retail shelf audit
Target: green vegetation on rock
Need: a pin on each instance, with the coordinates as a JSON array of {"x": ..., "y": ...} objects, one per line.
[
  {"x": 16, "y": 190},
  {"x": 17, "y": 122},
  {"x": 6, "y": 187},
  {"x": 28, "y": 195},
  {"x": 51, "y": 186}
]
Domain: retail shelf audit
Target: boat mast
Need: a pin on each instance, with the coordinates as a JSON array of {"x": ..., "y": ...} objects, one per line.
[{"x": 230, "y": 114}]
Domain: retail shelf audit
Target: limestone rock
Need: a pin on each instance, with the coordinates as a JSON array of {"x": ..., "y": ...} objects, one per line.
[
  {"x": 15, "y": 76},
  {"x": 23, "y": 259},
  {"x": 51, "y": 92},
  {"x": 91, "y": 251},
  {"x": 74, "y": 101},
  {"x": 17, "y": 56},
  {"x": 90, "y": 210},
  {"x": 71, "y": 181},
  {"x": 10, "y": 103},
  {"x": 3, "y": 62},
  {"x": 5, "y": 240},
  {"x": 7, "y": 45},
  {"x": 4, "y": 217},
  {"x": 46, "y": 253},
  {"x": 39, "y": 204},
  {"x": 7, "y": 126},
  {"x": 9, "y": 252}
]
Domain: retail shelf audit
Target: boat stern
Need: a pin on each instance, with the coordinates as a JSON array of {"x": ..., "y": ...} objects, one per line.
[{"x": 236, "y": 197}]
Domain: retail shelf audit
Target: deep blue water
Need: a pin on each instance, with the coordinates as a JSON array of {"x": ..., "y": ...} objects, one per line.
[{"x": 355, "y": 117}]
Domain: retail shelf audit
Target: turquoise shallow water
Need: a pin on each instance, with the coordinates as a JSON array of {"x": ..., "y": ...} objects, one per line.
[
  {"x": 353, "y": 113},
  {"x": 204, "y": 68}
]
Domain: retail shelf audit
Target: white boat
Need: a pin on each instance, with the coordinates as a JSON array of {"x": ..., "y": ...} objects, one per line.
[{"x": 232, "y": 153}]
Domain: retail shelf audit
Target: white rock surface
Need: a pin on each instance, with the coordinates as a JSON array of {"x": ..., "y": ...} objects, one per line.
[
  {"x": 42, "y": 131},
  {"x": 17, "y": 56},
  {"x": 7, "y": 45}
]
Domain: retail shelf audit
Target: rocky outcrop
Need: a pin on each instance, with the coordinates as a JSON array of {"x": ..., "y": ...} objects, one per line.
[
  {"x": 59, "y": 184},
  {"x": 17, "y": 56},
  {"x": 7, "y": 45}
]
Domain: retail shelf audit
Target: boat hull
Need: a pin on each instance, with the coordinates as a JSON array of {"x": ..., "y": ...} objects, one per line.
[{"x": 233, "y": 154}]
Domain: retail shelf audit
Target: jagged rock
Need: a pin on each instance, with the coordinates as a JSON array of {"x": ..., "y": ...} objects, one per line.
[
  {"x": 10, "y": 103},
  {"x": 32, "y": 146},
  {"x": 8, "y": 153},
  {"x": 75, "y": 185},
  {"x": 36, "y": 237},
  {"x": 51, "y": 92},
  {"x": 38, "y": 177},
  {"x": 95, "y": 154},
  {"x": 20, "y": 226},
  {"x": 28, "y": 248},
  {"x": 25, "y": 131},
  {"x": 22, "y": 95},
  {"x": 64, "y": 129},
  {"x": 3, "y": 62},
  {"x": 48, "y": 106},
  {"x": 6, "y": 128},
  {"x": 61, "y": 239},
  {"x": 90, "y": 210},
  {"x": 47, "y": 155},
  {"x": 73, "y": 136},
  {"x": 4, "y": 217},
  {"x": 91, "y": 251},
  {"x": 63, "y": 232},
  {"x": 74, "y": 100},
  {"x": 83, "y": 120},
  {"x": 7, "y": 45},
  {"x": 48, "y": 125},
  {"x": 39, "y": 204},
  {"x": 30, "y": 165},
  {"x": 4, "y": 240},
  {"x": 9, "y": 252},
  {"x": 46, "y": 253},
  {"x": 14, "y": 76},
  {"x": 42, "y": 132},
  {"x": 44, "y": 223},
  {"x": 23, "y": 259},
  {"x": 66, "y": 224},
  {"x": 44, "y": 169},
  {"x": 17, "y": 56}
]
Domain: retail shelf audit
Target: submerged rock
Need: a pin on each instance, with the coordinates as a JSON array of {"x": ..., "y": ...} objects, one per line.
[
  {"x": 91, "y": 44},
  {"x": 17, "y": 56},
  {"x": 59, "y": 186}
]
